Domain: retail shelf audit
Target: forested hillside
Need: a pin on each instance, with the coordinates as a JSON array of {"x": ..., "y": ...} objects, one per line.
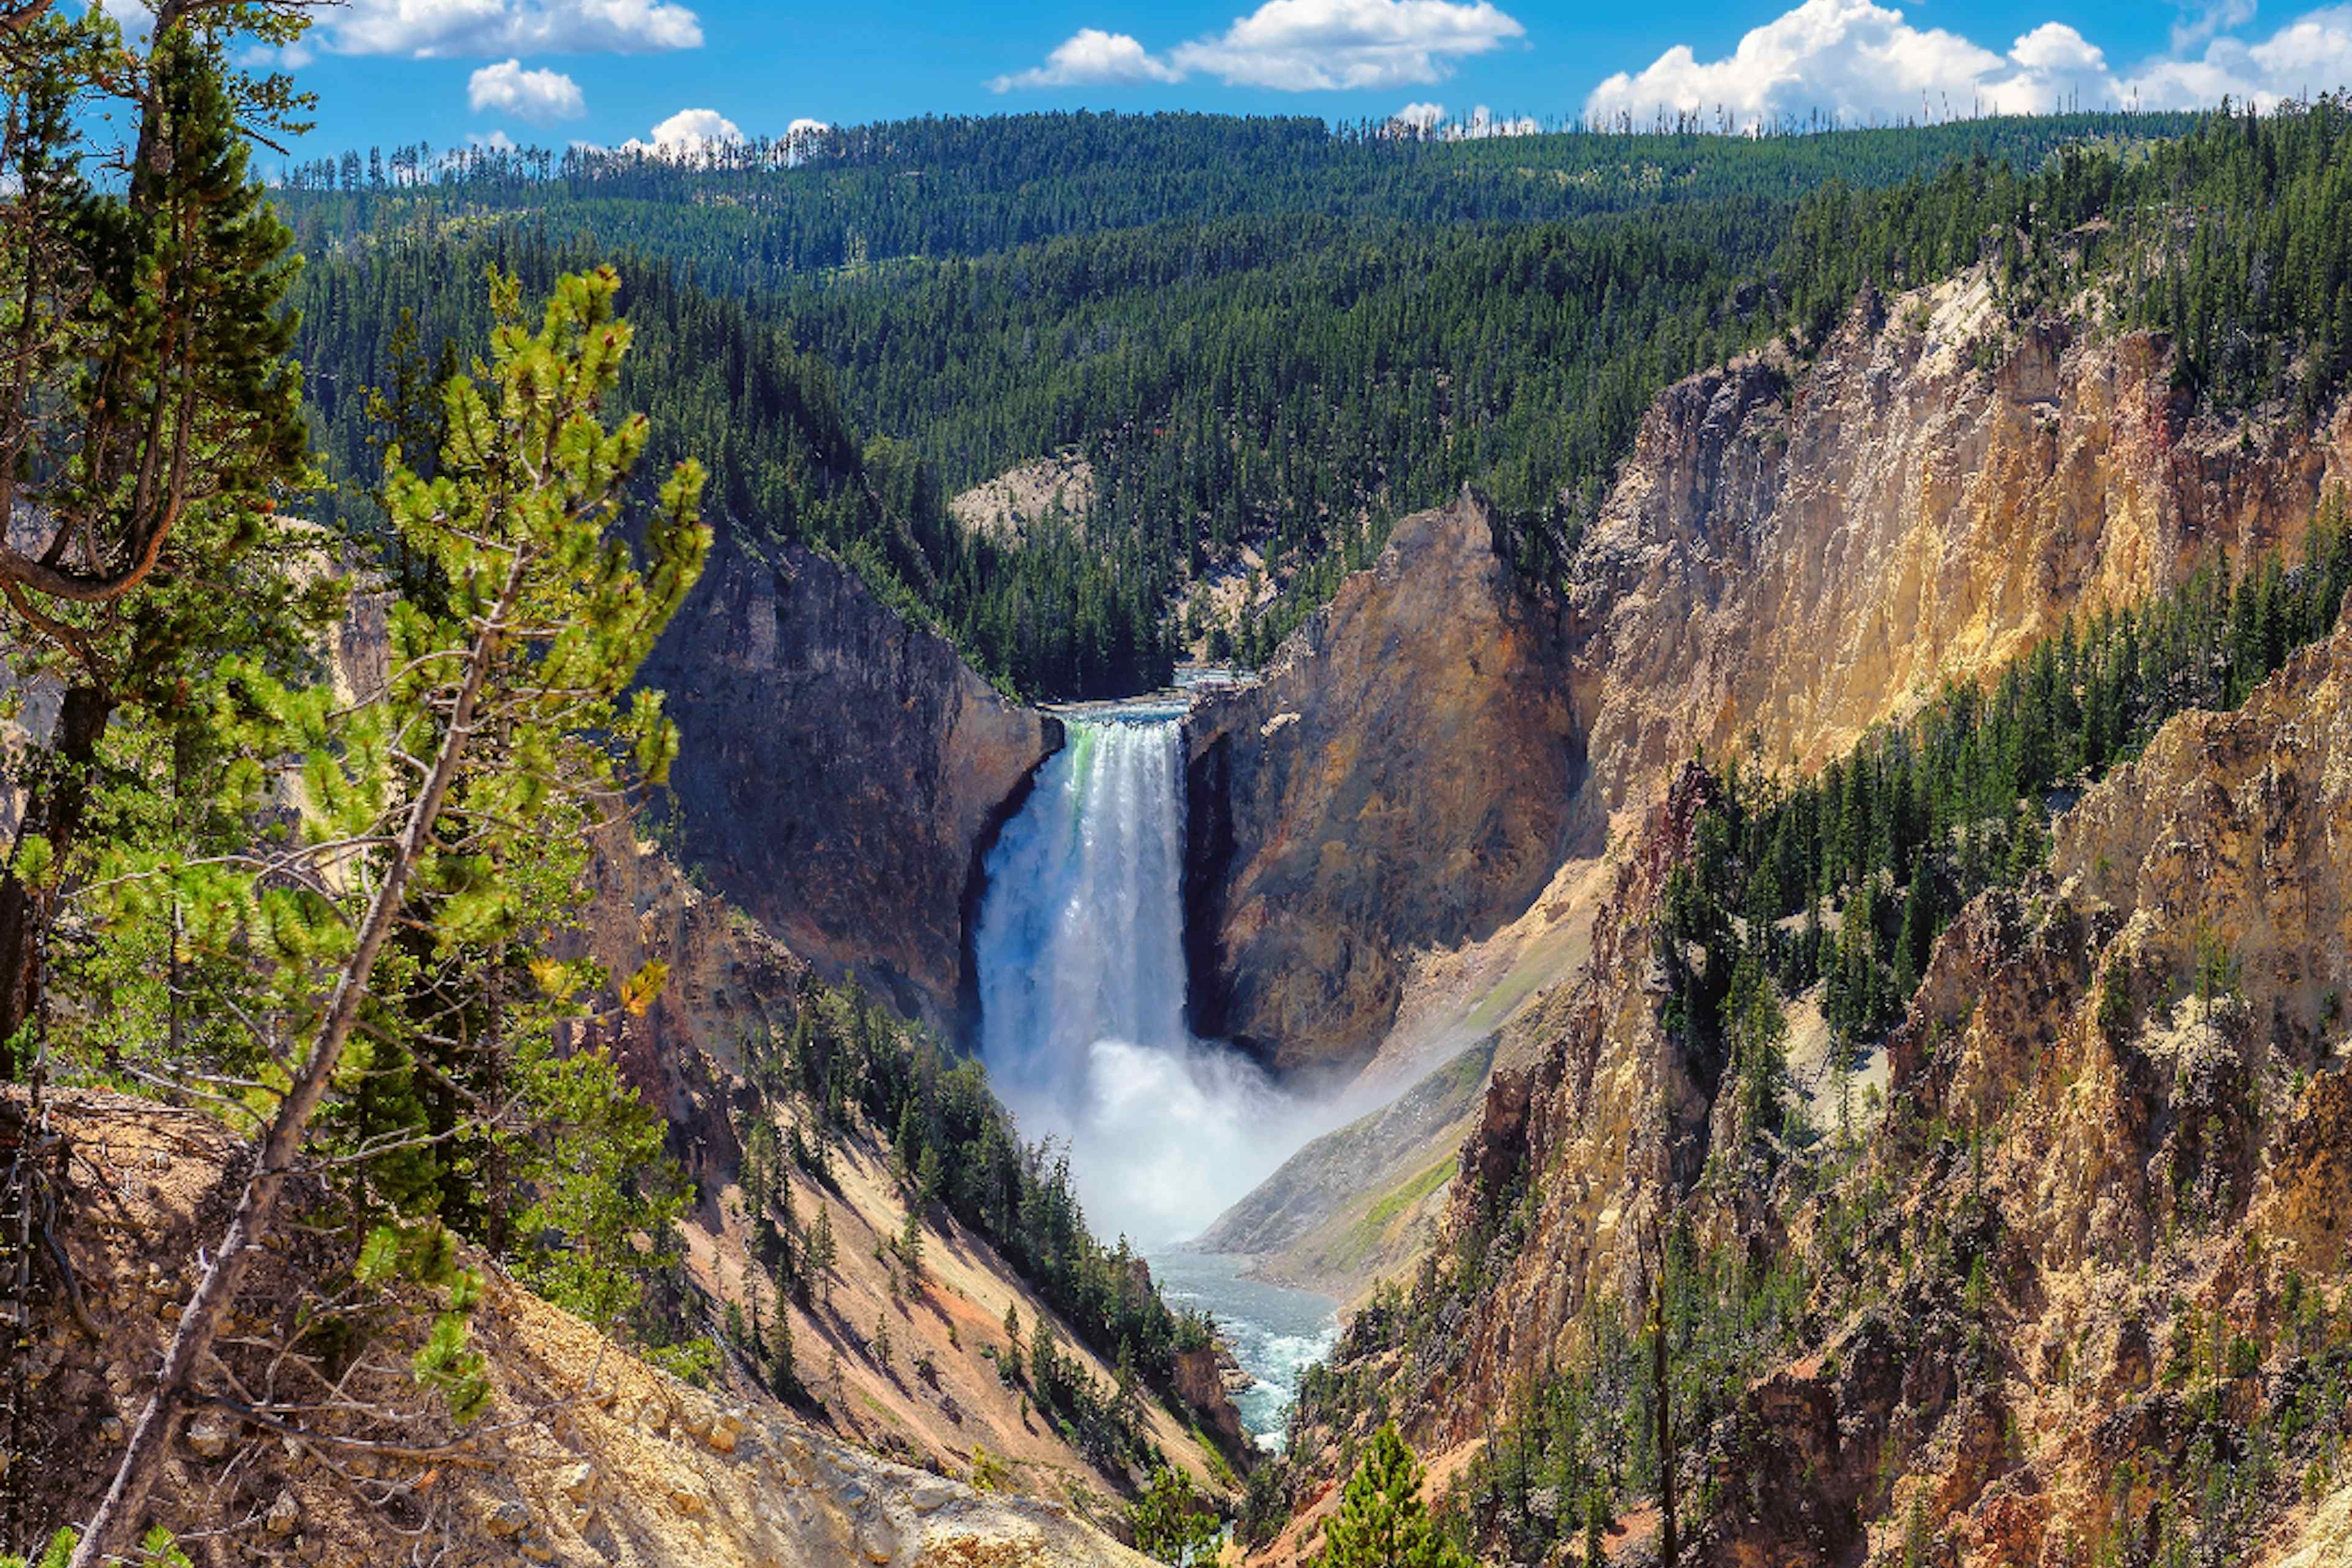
[
  {"x": 1257, "y": 333},
  {"x": 751, "y": 215}
]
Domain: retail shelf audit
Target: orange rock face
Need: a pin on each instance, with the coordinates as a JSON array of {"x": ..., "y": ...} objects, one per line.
[
  {"x": 1405, "y": 775},
  {"x": 1788, "y": 557}
]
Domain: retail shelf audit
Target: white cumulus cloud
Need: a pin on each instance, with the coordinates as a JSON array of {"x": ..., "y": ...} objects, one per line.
[
  {"x": 1304, "y": 45},
  {"x": 1296, "y": 45},
  {"x": 1090, "y": 58},
  {"x": 688, "y": 134},
  {"x": 1861, "y": 60},
  {"x": 2311, "y": 54},
  {"x": 541, "y": 97},
  {"x": 444, "y": 28},
  {"x": 1854, "y": 58},
  {"x": 1421, "y": 117}
]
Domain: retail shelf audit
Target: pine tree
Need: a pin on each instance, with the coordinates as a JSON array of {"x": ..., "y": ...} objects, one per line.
[
  {"x": 1044, "y": 1361},
  {"x": 1172, "y": 1522},
  {"x": 504, "y": 722},
  {"x": 822, "y": 1252},
  {"x": 1127, "y": 1386},
  {"x": 1919, "y": 928},
  {"x": 1381, "y": 1522},
  {"x": 783, "y": 1377},
  {"x": 910, "y": 1243},
  {"x": 906, "y": 1146},
  {"x": 149, "y": 422}
]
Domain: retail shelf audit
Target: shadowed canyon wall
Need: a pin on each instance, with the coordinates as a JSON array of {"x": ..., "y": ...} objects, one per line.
[{"x": 840, "y": 771}]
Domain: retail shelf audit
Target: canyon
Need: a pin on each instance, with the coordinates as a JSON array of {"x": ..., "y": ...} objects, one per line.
[
  {"x": 1790, "y": 554},
  {"x": 1793, "y": 553},
  {"x": 1619, "y": 847},
  {"x": 1421, "y": 859},
  {"x": 1445, "y": 815}
]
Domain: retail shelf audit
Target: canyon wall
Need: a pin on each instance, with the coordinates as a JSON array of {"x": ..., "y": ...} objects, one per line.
[
  {"x": 1789, "y": 555},
  {"x": 2092, "y": 1164},
  {"x": 840, "y": 771},
  {"x": 2116, "y": 1112},
  {"x": 1404, "y": 775}
]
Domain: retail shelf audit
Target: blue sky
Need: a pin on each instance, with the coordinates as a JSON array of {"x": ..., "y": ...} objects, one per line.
[{"x": 555, "y": 71}]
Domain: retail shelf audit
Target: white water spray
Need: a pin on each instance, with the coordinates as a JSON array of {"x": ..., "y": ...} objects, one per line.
[{"x": 1080, "y": 950}]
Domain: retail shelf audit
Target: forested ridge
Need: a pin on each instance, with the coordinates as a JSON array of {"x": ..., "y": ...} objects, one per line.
[
  {"x": 2235, "y": 237},
  {"x": 969, "y": 186},
  {"x": 1257, "y": 332}
]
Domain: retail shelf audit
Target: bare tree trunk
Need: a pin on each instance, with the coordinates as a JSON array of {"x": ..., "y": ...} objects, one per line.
[
  {"x": 118, "y": 1514},
  {"x": 1662, "y": 1389},
  {"x": 59, "y": 801}
]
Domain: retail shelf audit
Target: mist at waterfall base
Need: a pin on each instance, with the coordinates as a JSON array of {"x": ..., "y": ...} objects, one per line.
[
  {"x": 1080, "y": 956},
  {"x": 1079, "y": 949}
]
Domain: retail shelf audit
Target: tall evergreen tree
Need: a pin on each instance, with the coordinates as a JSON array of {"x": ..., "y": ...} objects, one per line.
[
  {"x": 149, "y": 419},
  {"x": 502, "y": 726},
  {"x": 1381, "y": 1522}
]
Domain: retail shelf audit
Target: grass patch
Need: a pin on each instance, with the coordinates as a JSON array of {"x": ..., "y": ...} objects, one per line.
[{"x": 1398, "y": 1199}]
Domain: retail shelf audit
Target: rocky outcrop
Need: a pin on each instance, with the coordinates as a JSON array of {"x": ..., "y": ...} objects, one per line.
[
  {"x": 1609, "y": 1120},
  {"x": 1005, "y": 508},
  {"x": 725, "y": 980},
  {"x": 585, "y": 1455},
  {"x": 2155, "y": 1155},
  {"x": 1790, "y": 556},
  {"x": 1404, "y": 775},
  {"x": 1201, "y": 1384},
  {"x": 840, "y": 771}
]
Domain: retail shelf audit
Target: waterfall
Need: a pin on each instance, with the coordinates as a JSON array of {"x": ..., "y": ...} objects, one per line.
[{"x": 1080, "y": 954}]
